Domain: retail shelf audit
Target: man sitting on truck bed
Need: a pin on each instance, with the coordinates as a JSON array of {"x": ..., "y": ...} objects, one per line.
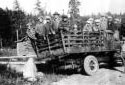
[{"x": 89, "y": 25}]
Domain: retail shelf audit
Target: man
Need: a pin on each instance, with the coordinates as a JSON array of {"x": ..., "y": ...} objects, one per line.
[
  {"x": 89, "y": 25},
  {"x": 49, "y": 26},
  {"x": 39, "y": 27},
  {"x": 122, "y": 29},
  {"x": 103, "y": 23},
  {"x": 56, "y": 19},
  {"x": 64, "y": 24},
  {"x": 110, "y": 24},
  {"x": 31, "y": 31},
  {"x": 97, "y": 25}
]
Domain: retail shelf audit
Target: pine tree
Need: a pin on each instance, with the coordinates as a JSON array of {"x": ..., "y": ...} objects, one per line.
[
  {"x": 18, "y": 19},
  {"x": 16, "y": 5},
  {"x": 74, "y": 11},
  {"x": 39, "y": 8},
  {"x": 73, "y": 8}
]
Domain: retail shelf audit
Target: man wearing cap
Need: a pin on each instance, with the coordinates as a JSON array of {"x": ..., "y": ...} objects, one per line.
[
  {"x": 89, "y": 25},
  {"x": 64, "y": 24},
  {"x": 97, "y": 25},
  {"x": 110, "y": 24}
]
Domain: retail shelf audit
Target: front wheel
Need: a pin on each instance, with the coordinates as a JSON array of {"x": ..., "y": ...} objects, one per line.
[{"x": 91, "y": 65}]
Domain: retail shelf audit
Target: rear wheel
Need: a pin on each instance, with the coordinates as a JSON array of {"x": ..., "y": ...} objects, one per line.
[{"x": 91, "y": 65}]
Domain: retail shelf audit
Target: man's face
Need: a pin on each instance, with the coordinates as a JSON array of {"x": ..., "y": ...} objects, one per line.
[
  {"x": 41, "y": 20},
  {"x": 56, "y": 16},
  {"x": 65, "y": 19},
  {"x": 48, "y": 20},
  {"x": 97, "y": 23}
]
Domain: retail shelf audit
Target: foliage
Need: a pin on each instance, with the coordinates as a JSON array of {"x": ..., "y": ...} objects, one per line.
[
  {"x": 73, "y": 8},
  {"x": 16, "y": 5},
  {"x": 39, "y": 8},
  {"x": 10, "y": 21},
  {"x": 74, "y": 11}
]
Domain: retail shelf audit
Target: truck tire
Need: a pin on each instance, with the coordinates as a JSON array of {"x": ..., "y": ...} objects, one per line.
[{"x": 91, "y": 65}]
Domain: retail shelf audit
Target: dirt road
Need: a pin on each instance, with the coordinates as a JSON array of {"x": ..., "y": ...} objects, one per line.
[{"x": 103, "y": 77}]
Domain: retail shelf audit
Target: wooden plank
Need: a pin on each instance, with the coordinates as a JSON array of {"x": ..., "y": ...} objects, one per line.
[
  {"x": 72, "y": 35},
  {"x": 71, "y": 39},
  {"x": 74, "y": 43},
  {"x": 63, "y": 42},
  {"x": 17, "y": 57},
  {"x": 20, "y": 63}
]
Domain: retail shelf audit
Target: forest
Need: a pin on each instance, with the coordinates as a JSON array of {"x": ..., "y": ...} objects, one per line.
[{"x": 13, "y": 22}]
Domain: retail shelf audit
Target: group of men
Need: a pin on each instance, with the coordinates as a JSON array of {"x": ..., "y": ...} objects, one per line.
[
  {"x": 52, "y": 25},
  {"x": 103, "y": 23},
  {"x": 48, "y": 26}
]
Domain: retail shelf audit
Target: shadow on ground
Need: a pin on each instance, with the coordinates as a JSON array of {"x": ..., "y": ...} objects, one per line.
[{"x": 49, "y": 69}]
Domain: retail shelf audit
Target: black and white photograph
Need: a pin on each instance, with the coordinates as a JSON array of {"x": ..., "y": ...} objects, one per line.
[{"x": 62, "y": 42}]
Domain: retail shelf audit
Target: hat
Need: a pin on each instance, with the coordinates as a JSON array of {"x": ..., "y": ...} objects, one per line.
[
  {"x": 88, "y": 22},
  {"x": 90, "y": 19},
  {"x": 40, "y": 17},
  {"x": 97, "y": 21},
  {"x": 29, "y": 23},
  {"x": 64, "y": 16},
  {"x": 109, "y": 17},
  {"x": 56, "y": 13}
]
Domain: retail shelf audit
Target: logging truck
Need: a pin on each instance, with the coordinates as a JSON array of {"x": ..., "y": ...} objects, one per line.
[{"x": 82, "y": 50}]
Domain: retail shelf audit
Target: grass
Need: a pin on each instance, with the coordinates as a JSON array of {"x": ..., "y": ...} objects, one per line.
[
  {"x": 8, "y": 77},
  {"x": 8, "y": 52}
]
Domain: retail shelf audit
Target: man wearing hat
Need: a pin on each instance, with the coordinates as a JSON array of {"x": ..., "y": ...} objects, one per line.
[
  {"x": 49, "y": 26},
  {"x": 56, "y": 19},
  {"x": 64, "y": 23},
  {"x": 56, "y": 15},
  {"x": 39, "y": 27}
]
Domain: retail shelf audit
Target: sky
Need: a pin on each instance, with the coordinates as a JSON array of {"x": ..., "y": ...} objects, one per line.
[{"x": 87, "y": 7}]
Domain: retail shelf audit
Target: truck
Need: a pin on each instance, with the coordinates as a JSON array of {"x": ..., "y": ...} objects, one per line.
[{"x": 82, "y": 50}]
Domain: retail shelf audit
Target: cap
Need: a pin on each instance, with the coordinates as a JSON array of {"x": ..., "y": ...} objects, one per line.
[
  {"x": 97, "y": 20},
  {"x": 56, "y": 13},
  {"x": 90, "y": 19},
  {"x": 88, "y": 22},
  {"x": 40, "y": 17},
  {"x": 48, "y": 17}
]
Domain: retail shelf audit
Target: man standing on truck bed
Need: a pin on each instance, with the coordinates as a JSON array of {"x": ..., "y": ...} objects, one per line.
[
  {"x": 49, "y": 26},
  {"x": 64, "y": 24},
  {"x": 40, "y": 31},
  {"x": 56, "y": 19}
]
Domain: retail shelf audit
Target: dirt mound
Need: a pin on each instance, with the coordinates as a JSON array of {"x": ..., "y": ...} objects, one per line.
[{"x": 103, "y": 77}]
